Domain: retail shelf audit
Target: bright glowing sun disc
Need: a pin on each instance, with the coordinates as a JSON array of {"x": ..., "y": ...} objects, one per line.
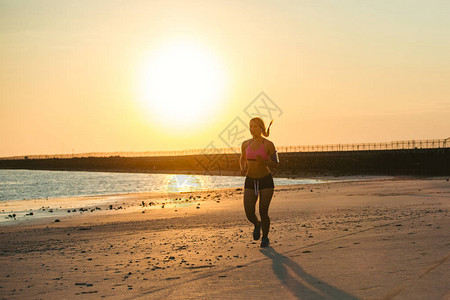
[{"x": 181, "y": 85}]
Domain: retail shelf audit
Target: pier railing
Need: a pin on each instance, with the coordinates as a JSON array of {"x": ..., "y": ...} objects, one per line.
[{"x": 395, "y": 145}]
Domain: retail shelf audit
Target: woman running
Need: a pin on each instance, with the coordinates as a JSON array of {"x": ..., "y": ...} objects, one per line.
[{"x": 257, "y": 156}]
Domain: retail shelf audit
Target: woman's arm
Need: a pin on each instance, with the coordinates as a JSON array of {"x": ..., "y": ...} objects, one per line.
[{"x": 243, "y": 159}]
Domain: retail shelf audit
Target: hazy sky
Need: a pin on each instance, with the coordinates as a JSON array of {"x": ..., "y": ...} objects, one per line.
[{"x": 76, "y": 75}]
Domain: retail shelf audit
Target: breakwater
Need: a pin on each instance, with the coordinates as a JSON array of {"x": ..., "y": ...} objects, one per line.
[{"x": 428, "y": 162}]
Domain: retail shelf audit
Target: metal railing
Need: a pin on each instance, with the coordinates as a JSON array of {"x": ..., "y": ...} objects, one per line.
[{"x": 395, "y": 145}]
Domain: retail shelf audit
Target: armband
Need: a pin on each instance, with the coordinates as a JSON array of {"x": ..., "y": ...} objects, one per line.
[{"x": 274, "y": 157}]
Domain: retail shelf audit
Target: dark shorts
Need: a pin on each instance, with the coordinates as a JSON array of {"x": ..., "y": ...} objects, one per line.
[{"x": 259, "y": 183}]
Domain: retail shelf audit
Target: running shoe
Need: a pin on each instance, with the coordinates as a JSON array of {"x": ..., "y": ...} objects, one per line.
[
  {"x": 264, "y": 242},
  {"x": 257, "y": 231}
]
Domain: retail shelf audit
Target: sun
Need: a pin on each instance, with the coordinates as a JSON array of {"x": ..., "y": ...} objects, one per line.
[{"x": 181, "y": 84}]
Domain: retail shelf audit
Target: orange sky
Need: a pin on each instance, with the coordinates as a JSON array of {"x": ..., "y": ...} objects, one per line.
[{"x": 74, "y": 74}]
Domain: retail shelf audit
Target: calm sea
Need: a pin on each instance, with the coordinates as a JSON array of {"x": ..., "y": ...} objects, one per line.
[{"x": 32, "y": 184}]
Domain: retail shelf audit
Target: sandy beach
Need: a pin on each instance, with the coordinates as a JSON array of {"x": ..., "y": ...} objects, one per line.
[{"x": 373, "y": 239}]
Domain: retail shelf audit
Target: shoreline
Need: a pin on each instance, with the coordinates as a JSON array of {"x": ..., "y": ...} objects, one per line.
[
  {"x": 45, "y": 210},
  {"x": 235, "y": 182}
]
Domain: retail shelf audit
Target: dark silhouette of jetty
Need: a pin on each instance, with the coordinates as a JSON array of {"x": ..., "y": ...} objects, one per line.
[{"x": 424, "y": 158}]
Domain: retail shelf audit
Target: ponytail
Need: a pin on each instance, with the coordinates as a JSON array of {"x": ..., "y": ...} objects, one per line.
[{"x": 266, "y": 134}]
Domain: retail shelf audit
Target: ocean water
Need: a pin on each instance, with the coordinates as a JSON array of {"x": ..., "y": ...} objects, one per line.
[{"x": 36, "y": 184}]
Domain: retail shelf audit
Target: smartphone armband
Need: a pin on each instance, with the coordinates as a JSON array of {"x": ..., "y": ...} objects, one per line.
[{"x": 274, "y": 157}]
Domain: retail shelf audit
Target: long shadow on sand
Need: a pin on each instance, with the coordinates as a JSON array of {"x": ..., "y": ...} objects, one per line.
[{"x": 301, "y": 284}]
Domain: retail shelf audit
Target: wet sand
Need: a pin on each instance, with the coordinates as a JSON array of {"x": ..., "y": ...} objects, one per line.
[{"x": 376, "y": 239}]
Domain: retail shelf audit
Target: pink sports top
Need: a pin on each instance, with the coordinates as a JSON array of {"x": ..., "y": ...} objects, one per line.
[{"x": 252, "y": 154}]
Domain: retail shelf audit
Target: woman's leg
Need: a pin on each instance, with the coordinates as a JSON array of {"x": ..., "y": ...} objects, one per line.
[
  {"x": 265, "y": 196},
  {"x": 249, "y": 205}
]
